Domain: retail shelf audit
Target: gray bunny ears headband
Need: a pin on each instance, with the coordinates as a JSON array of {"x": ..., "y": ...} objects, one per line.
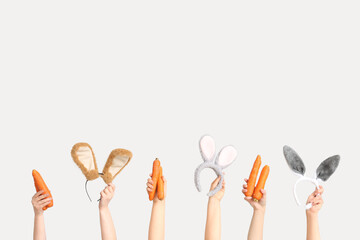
[
  {"x": 217, "y": 162},
  {"x": 323, "y": 172},
  {"x": 84, "y": 158}
]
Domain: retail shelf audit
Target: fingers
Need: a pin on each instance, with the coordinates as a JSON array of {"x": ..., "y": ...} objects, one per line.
[
  {"x": 102, "y": 194},
  {"x": 48, "y": 200},
  {"x": 150, "y": 184},
  {"x": 108, "y": 191},
  {"x": 244, "y": 190},
  {"x": 318, "y": 201},
  {"x": 41, "y": 197},
  {"x": 111, "y": 187},
  {"x": 263, "y": 191},
  {"x": 150, "y": 181},
  {"x": 38, "y": 198},
  {"x": 223, "y": 185},
  {"x": 310, "y": 199},
  {"x": 45, "y": 204},
  {"x": 248, "y": 199},
  {"x": 38, "y": 193},
  {"x": 164, "y": 179},
  {"x": 315, "y": 200},
  {"x": 320, "y": 190},
  {"x": 315, "y": 194},
  {"x": 216, "y": 181},
  {"x": 165, "y": 183}
]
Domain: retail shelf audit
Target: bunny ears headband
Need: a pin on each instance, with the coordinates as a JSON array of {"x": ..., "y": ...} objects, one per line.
[
  {"x": 323, "y": 172},
  {"x": 84, "y": 157},
  {"x": 217, "y": 162}
]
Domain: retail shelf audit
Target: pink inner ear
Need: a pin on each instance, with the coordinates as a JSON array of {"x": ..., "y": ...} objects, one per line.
[
  {"x": 227, "y": 156},
  {"x": 207, "y": 146}
]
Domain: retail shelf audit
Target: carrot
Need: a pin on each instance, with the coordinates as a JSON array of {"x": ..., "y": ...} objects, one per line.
[
  {"x": 253, "y": 176},
  {"x": 155, "y": 176},
  {"x": 40, "y": 185},
  {"x": 160, "y": 186},
  {"x": 261, "y": 183}
]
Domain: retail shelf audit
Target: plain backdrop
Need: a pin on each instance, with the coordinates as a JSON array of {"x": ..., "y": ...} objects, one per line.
[{"x": 153, "y": 77}]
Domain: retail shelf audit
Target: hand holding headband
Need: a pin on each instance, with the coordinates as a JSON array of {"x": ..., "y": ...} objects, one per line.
[
  {"x": 323, "y": 172},
  {"x": 216, "y": 162},
  {"x": 84, "y": 157}
]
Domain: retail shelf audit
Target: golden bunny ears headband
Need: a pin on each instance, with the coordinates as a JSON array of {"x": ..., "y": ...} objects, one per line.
[{"x": 84, "y": 157}]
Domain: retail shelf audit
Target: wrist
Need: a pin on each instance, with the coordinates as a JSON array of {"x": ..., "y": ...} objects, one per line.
[
  {"x": 259, "y": 211},
  {"x": 159, "y": 202},
  {"x": 103, "y": 208},
  {"x": 39, "y": 214},
  {"x": 310, "y": 214},
  {"x": 214, "y": 200}
]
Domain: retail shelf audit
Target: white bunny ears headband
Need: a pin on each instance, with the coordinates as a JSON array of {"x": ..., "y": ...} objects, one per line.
[
  {"x": 217, "y": 162},
  {"x": 84, "y": 158},
  {"x": 323, "y": 172}
]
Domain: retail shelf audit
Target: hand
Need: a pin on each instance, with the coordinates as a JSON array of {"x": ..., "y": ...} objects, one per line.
[
  {"x": 150, "y": 187},
  {"x": 220, "y": 194},
  {"x": 316, "y": 200},
  {"x": 39, "y": 201},
  {"x": 106, "y": 195},
  {"x": 257, "y": 205}
]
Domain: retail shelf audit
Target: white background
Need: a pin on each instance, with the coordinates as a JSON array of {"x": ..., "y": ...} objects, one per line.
[{"x": 152, "y": 77}]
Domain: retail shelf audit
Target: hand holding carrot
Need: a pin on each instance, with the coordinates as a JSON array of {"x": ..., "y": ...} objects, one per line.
[
  {"x": 39, "y": 201},
  {"x": 316, "y": 200},
  {"x": 40, "y": 185},
  {"x": 106, "y": 195},
  {"x": 220, "y": 194},
  {"x": 157, "y": 183},
  {"x": 257, "y": 205},
  {"x": 150, "y": 187}
]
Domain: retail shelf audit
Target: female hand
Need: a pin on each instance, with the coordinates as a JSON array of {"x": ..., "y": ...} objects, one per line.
[{"x": 257, "y": 205}]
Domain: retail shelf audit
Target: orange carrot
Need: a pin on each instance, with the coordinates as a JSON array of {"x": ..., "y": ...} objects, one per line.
[
  {"x": 253, "y": 176},
  {"x": 160, "y": 186},
  {"x": 155, "y": 176},
  {"x": 40, "y": 185},
  {"x": 261, "y": 183}
]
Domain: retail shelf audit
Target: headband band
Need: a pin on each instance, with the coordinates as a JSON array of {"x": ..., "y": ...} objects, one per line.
[{"x": 301, "y": 179}]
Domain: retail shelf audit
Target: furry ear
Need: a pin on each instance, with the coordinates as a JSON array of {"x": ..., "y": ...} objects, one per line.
[
  {"x": 226, "y": 156},
  {"x": 84, "y": 157},
  {"x": 207, "y": 148},
  {"x": 327, "y": 167},
  {"x": 294, "y": 161},
  {"x": 117, "y": 160}
]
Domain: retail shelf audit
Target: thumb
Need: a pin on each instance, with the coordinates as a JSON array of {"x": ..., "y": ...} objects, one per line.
[{"x": 215, "y": 182}]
